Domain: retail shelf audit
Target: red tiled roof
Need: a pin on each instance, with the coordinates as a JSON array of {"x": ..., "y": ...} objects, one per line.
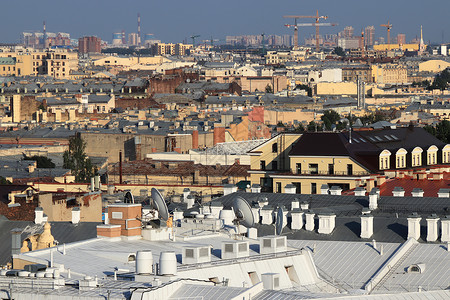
[{"x": 429, "y": 187}]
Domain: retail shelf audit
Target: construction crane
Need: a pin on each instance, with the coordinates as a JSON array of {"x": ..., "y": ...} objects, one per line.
[
  {"x": 193, "y": 37},
  {"x": 315, "y": 24},
  {"x": 262, "y": 43},
  {"x": 388, "y": 27},
  {"x": 363, "y": 47}
]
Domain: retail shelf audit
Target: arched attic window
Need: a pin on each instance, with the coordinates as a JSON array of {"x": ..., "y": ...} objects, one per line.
[
  {"x": 400, "y": 158},
  {"x": 384, "y": 159},
  {"x": 416, "y": 157},
  {"x": 446, "y": 154},
  {"x": 432, "y": 155}
]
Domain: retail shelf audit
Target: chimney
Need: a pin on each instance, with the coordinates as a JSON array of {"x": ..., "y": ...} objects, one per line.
[
  {"x": 417, "y": 192},
  {"x": 271, "y": 281},
  {"x": 190, "y": 201},
  {"x": 438, "y": 176},
  {"x": 304, "y": 205},
  {"x": 229, "y": 189},
  {"x": 256, "y": 188},
  {"x": 414, "y": 226},
  {"x": 366, "y": 226},
  {"x": 16, "y": 236},
  {"x": 370, "y": 184},
  {"x": 360, "y": 191},
  {"x": 309, "y": 220},
  {"x": 128, "y": 216},
  {"x": 324, "y": 189},
  {"x": 290, "y": 189},
  {"x": 108, "y": 230},
  {"x": 445, "y": 229},
  {"x": 92, "y": 187},
  {"x": 186, "y": 193},
  {"x": 335, "y": 190},
  {"x": 373, "y": 200},
  {"x": 296, "y": 219},
  {"x": 326, "y": 223},
  {"x": 38, "y": 215},
  {"x": 398, "y": 192},
  {"x": 432, "y": 228},
  {"x": 295, "y": 204},
  {"x": 381, "y": 180},
  {"x": 76, "y": 215},
  {"x": 266, "y": 215}
]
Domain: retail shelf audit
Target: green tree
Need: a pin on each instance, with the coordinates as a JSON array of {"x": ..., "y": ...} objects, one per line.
[
  {"x": 339, "y": 51},
  {"x": 300, "y": 128},
  {"x": 4, "y": 181},
  {"x": 269, "y": 89},
  {"x": 306, "y": 88},
  {"x": 77, "y": 161},
  {"x": 441, "y": 130},
  {"x": 329, "y": 118},
  {"x": 441, "y": 80},
  {"x": 42, "y": 161},
  {"x": 313, "y": 126}
]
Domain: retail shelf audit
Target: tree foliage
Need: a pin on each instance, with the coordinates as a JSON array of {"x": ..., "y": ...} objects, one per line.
[
  {"x": 269, "y": 89},
  {"x": 330, "y": 118},
  {"x": 441, "y": 130},
  {"x": 77, "y": 161},
  {"x": 42, "y": 161},
  {"x": 4, "y": 181},
  {"x": 306, "y": 88},
  {"x": 339, "y": 51},
  {"x": 441, "y": 80}
]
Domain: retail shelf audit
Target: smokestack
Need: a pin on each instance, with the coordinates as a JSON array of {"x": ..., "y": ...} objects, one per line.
[
  {"x": 45, "y": 35},
  {"x": 139, "y": 29},
  {"x": 120, "y": 167}
]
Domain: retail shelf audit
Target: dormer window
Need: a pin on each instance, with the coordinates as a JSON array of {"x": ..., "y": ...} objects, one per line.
[
  {"x": 446, "y": 154},
  {"x": 400, "y": 158},
  {"x": 416, "y": 157},
  {"x": 432, "y": 155},
  {"x": 384, "y": 160}
]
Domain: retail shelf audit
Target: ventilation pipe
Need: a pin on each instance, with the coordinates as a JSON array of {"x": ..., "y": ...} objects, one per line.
[
  {"x": 309, "y": 220},
  {"x": 76, "y": 215},
  {"x": 144, "y": 262},
  {"x": 373, "y": 200},
  {"x": 167, "y": 263},
  {"x": 432, "y": 228},
  {"x": 445, "y": 229}
]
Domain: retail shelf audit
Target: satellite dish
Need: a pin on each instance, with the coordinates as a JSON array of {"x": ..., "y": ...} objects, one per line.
[
  {"x": 128, "y": 198},
  {"x": 243, "y": 212},
  {"x": 279, "y": 221},
  {"x": 161, "y": 206}
]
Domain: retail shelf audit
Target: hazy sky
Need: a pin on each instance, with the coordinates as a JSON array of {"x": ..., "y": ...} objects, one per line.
[{"x": 174, "y": 20}]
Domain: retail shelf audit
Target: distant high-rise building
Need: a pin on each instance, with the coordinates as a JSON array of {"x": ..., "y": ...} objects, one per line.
[
  {"x": 369, "y": 35},
  {"x": 401, "y": 39},
  {"x": 133, "y": 39},
  {"x": 89, "y": 44},
  {"x": 348, "y": 31}
]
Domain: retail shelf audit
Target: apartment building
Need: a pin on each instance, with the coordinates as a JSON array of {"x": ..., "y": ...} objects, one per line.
[
  {"x": 389, "y": 74},
  {"x": 343, "y": 159}
]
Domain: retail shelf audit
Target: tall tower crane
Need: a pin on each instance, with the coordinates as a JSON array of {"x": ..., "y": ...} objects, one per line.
[
  {"x": 315, "y": 24},
  {"x": 193, "y": 37},
  {"x": 388, "y": 27}
]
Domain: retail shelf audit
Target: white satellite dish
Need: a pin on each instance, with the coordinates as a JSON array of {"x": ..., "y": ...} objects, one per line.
[
  {"x": 243, "y": 212},
  {"x": 161, "y": 206},
  {"x": 279, "y": 221},
  {"x": 128, "y": 198}
]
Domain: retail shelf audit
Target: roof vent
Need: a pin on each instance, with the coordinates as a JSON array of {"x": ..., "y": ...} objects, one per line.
[
  {"x": 272, "y": 244},
  {"x": 398, "y": 192},
  {"x": 417, "y": 192},
  {"x": 235, "y": 249},
  {"x": 196, "y": 254}
]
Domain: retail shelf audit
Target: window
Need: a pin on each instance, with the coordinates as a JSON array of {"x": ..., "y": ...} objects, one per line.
[
  {"x": 331, "y": 169},
  {"x": 274, "y": 147},
  {"x": 313, "y": 169},
  {"x": 278, "y": 187},
  {"x": 298, "y": 187},
  {"x": 349, "y": 169},
  {"x": 274, "y": 165},
  {"x": 298, "y": 168},
  {"x": 313, "y": 188}
]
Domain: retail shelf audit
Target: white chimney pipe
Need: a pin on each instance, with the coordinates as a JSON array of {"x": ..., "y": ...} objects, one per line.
[
  {"x": 414, "y": 226},
  {"x": 309, "y": 220},
  {"x": 432, "y": 228},
  {"x": 366, "y": 226}
]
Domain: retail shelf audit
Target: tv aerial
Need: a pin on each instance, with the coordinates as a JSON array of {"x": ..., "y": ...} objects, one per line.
[
  {"x": 243, "y": 212},
  {"x": 160, "y": 204},
  {"x": 128, "y": 198},
  {"x": 279, "y": 221}
]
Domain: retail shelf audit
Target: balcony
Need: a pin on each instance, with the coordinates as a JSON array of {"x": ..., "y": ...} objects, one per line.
[{"x": 335, "y": 173}]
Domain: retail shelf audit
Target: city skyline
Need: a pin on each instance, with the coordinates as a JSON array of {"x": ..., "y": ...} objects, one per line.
[{"x": 101, "y": 18}]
